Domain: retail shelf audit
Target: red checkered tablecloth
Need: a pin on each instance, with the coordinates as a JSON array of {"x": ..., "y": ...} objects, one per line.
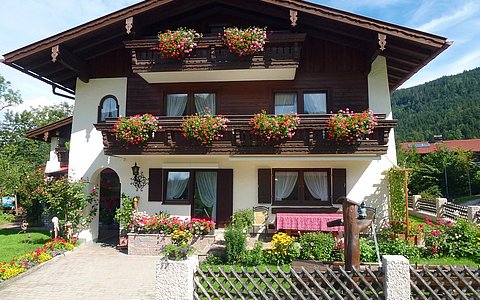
[{"x": 307, "y": 222}]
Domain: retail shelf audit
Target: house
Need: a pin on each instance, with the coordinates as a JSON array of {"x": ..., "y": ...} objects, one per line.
[
  {"x": 439, "y": 144},
  {"x": 314, "y": 56}
]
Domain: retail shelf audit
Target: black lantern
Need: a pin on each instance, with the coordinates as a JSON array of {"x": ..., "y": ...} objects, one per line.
[{"x": 139, "y": 181}]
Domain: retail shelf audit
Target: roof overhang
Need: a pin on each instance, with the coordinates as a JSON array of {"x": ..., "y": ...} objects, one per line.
[
  {"x": 407, "y": 50},
  {"x": 61, "y": 129}
]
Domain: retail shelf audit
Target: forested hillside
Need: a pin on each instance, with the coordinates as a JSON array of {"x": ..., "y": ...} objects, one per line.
[{"x": 449, "y": 106}]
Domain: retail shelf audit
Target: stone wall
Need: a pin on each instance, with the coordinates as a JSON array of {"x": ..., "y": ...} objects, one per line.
[{"x": 152, "y": 244}]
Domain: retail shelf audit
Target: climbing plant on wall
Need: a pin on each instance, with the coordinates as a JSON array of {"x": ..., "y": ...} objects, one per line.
[{"x": 397, "y": 191}]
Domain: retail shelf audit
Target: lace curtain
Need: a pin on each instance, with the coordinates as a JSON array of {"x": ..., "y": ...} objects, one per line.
[
  {"x": 315, "y": 103},
  {"x": 176, "y": 104},
  {"x": 109, "y": 109},
  {"x": 284, "y": 184},
  {"x": 177, "y": 182},
  {"x": 285, "y": 103},
  {"x": 317, "y": 184},
  {"x": 207, "y": 189},
  {"x": 205, "y": 103}
]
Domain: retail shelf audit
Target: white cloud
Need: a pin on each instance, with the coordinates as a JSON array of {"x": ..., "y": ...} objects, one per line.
[{"x": 449, "y": 19}]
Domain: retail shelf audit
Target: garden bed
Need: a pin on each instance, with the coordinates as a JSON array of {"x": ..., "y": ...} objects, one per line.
[{"x": 152, "y": 244}]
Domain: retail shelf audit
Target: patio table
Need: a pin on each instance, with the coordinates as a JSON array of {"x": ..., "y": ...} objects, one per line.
[{"x": 307, "y": 222}]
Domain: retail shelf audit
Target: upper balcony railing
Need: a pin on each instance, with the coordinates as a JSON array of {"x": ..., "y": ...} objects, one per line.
[
  {"x": 282, "y": 50},
  {"x": 310, "y": 138}
]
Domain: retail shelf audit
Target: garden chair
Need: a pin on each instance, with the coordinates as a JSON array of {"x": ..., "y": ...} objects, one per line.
[{"x": 260, "y": 217}]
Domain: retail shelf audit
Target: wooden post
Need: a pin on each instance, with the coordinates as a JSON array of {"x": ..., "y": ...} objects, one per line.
[{"x": 352, "y": 235}]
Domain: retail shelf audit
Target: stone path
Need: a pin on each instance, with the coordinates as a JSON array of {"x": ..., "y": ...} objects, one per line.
[{"x": 91, "y": 271}]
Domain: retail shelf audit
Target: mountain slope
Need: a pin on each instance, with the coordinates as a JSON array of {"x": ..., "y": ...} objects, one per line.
[{"x": 449, "y": 106}]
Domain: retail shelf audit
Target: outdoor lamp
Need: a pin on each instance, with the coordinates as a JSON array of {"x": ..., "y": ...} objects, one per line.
[{"x": 139, "y": 181}]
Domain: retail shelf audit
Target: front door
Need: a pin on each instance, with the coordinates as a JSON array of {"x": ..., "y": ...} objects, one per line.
[
  {"x": 205, "y": 195},
  {"x": 108, "y": 229}
]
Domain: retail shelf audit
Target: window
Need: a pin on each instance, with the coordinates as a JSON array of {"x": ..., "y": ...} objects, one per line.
[
  {"x": 315, "y": 103},
  {"x": 301, "y": 187},
  {"x": 177, "y": 186},
  {"x": 108, "y": 108},
  {"x": 177, "y": 104},
  {"x": 285, "y": 103},
  {"x": 205, "y": 103}
]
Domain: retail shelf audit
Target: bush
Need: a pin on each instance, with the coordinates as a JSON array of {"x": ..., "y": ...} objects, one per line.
[
  {"x": 399, "y": 247},
  {"x": 215, "y": 259},
  {"x": 6, "y": 218},
  {"x": 254, "y": 257},
  {"x": 242, "y": 219},
  {"x": 367, "y": 250},
  {"x": 284, "y": 249},
  {"x": 235, "y": 245},
  {"x": 316, "y": 246}
]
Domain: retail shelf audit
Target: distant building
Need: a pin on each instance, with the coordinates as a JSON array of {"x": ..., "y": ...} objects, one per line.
[{"x": 437, "y": 144}]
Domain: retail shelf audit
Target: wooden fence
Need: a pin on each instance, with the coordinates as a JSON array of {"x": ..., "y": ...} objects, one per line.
[{"x": 265, "y": 283}]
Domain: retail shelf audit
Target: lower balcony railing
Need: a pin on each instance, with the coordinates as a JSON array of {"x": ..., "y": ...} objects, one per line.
[{"x": 310, "y": 138}]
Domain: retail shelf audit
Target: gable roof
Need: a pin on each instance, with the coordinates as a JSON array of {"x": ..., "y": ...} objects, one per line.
[
  {"x": 61, "y": 128},
  {"x": 427, "y": 147},
  {"x": 407, "y": 50}
]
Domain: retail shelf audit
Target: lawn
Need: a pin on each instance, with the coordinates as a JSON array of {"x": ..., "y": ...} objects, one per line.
[
  {"x": 11, "y": 242},
  {"x": 446, "y": 261}
]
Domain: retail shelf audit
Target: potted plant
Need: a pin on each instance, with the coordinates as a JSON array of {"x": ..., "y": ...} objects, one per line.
[
  {"x": 274, "y": 128},
  {"x": 136, "y": 129},
  {"x": 245, "y": 42},
  {"x": 350, "y": 127},
  {"x": 179, "y": 249},
  {"x": 123, "y": 216},
  {"x": 204, "y": 129},
  {"x": 177, "y": 43}
]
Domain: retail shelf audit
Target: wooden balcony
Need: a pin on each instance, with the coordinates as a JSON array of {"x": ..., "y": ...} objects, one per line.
[
  {"x": 310, "y": 138},
  {"x": 282, "y": 50}
]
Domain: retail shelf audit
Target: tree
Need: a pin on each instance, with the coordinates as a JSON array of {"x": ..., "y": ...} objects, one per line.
[{"x": 8, "y": 97}]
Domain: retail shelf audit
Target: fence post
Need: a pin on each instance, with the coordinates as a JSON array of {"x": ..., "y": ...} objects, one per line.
[
  {"x": 472, "y": 213},
  {"x": 415, "y": 202},
  {"x": 396, "y": 281},
  {"x": 174, "y": 279},
  {"x": 439, "y": 205}
]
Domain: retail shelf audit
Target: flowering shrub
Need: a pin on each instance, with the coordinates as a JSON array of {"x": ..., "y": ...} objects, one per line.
[
  {"x": 400, "y": 227},
  {"x": 245, "y": 42},
  {"x": 274, "y": 128},
  {"x": 200, "y": 226},
  {"x": 34, "y": 258},
  {"x": 350, "y": 127},
  {"x": 177, "y": 43},
  {"x": 177, "y": 252},
  {"x": 445, "y": 238},
  {"x": 284, "y": 249},
  {"x": 136, "y": 129},
  {"x": 180, "y": 236},
  {"x": 204, "y": 129}
]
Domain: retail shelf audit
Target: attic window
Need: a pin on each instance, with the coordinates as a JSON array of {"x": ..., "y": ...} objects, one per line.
[{"x": 108, "y": 108}]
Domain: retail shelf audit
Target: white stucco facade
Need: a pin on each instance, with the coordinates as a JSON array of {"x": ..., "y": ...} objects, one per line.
[{"x": 366, "y": 175}]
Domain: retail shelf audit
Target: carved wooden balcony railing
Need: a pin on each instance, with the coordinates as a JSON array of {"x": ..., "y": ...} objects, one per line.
[
  {"x": 310, "y": 138},
  {"x": 62, "y": 154},
  {"x": 282, "y": 50}
]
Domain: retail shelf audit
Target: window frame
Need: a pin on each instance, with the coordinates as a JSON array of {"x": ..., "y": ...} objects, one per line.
[
  {"x": 190, "y": 186},
  {"x": 300, "y": 201},
  {"x": 190, "y": 109},
  {"x": 314, "y": 92},
  {"x": 301, "y": 98},
  {"x": 286, "y": 92},
  {"x": 100, "y": 107}
]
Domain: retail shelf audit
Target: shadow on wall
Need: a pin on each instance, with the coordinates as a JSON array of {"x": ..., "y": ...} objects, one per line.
[{"x": 379, "y": 198}]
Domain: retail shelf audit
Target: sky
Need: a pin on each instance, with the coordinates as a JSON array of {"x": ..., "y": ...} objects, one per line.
[{"x": 28, "y": 21}]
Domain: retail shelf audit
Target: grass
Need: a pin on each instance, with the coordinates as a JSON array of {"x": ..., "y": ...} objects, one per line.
[
  {"x": 463, "y": 199},
  {"x": 447, "y": 261},
  {"x": 12, "y": 242}
]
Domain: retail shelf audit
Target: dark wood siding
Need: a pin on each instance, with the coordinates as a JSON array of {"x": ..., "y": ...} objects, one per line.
[
  {"x": 224, "y": 196},
  {"x": 264, "y": 186},
  {"x": 339, "y": 70},
  {"x": 116, "y": 63},
  {"x": 339, "y": 178},
  {"x": 155, "y": 185}
]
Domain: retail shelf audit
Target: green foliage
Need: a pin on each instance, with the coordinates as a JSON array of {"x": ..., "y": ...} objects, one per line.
[
  {"x": 123, "y": 215},
  {"x": 8, "y": 97},
  {"x": 367, "y": 250},
  {"x": 66, "y": 199},
  {"x": 447, "y": 106},
  {"x": 242, "y": 219},
  {"x": 396, "y": 180},
  {"x": 316, "y": 246},
  {"x": 283, "y": 249},
  {"x": 215, "y": 259},
  {"x": 12, "y": 242},
  {"x": 254, "y": 257},
  {"x": 235, "y": 244},
  {"x": 177, "y": 251},
  {"x": 6, "y": 218},
  {"x": 398, "y": 247}
]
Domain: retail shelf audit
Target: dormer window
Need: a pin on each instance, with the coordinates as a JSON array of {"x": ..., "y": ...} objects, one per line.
[{"x": 108, "y": 108}]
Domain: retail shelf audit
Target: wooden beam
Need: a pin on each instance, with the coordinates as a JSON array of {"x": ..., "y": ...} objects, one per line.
[{"x": 70, "y": 61}]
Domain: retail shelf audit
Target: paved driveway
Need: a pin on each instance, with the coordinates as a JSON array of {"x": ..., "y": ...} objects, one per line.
[{"x": 91, "y": 271}]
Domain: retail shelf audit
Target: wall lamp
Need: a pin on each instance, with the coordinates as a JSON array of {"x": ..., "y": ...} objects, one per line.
[{"x": 139, "y": 181}]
